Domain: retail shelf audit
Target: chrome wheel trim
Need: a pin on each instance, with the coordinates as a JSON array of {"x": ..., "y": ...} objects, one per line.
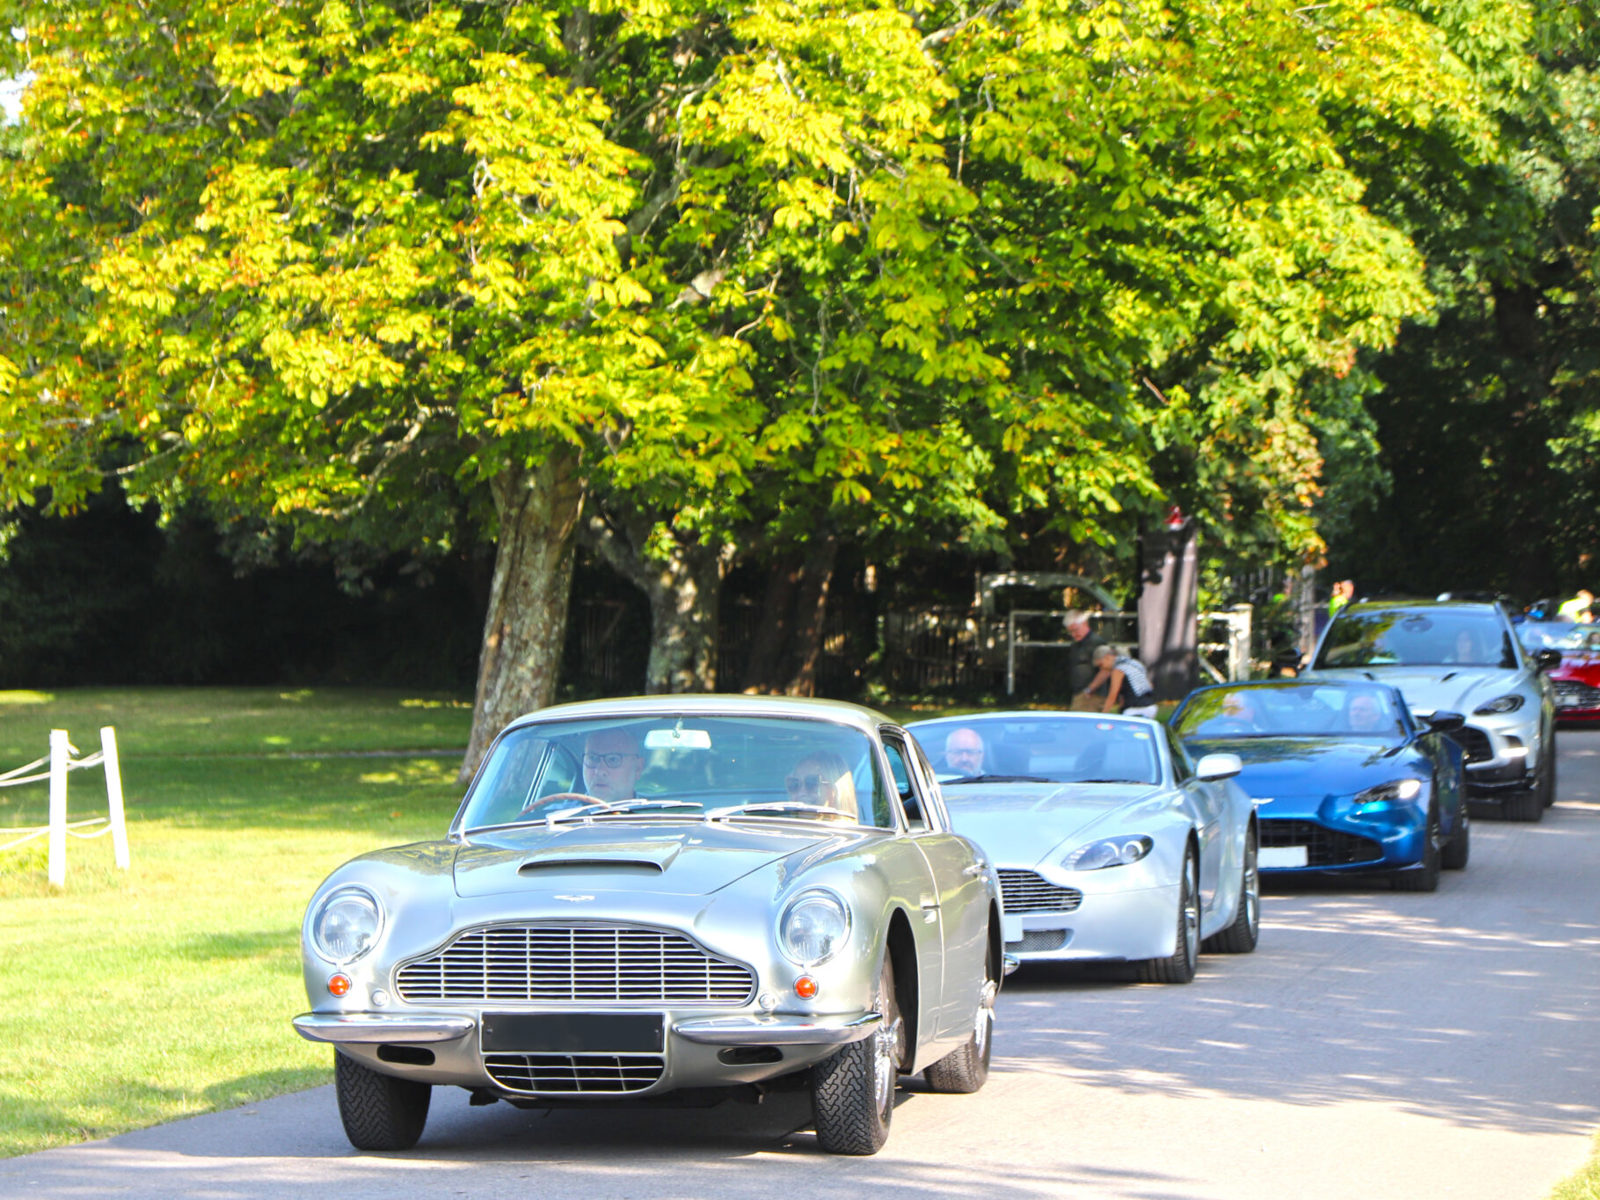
[
  {"x": 1191, "y": 918},
  {"x": 983, "y": 1023},
  {"x": 1252, "y": 891},
  {"x": 886, "y": 1045}
]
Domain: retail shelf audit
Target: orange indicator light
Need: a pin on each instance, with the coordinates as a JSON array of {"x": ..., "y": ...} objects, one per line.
[
  {"x": 805, "y": 987},
  {"x": 339, "y": 985}
]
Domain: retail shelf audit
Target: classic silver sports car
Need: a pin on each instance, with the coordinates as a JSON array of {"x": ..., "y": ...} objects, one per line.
[
  {"x": 1111, "y": 843},
  {"x": 642, "y": 896}
]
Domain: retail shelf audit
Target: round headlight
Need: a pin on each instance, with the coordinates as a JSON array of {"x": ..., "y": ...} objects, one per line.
[
  {"x": 813, "y": 928},
  {"x": 346, "y": 924}
]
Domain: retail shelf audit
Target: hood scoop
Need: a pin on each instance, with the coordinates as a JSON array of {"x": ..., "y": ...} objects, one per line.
[{"x": 600, "y": 866}]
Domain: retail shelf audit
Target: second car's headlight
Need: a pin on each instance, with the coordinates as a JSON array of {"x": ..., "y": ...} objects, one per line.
[
  {"x": 1108, "y": 852},
  {"x": 1510, "y": 702},
  {"x": 346, "y": 924},
  {"x": 813, "y": 928},
  {"x": 1388, "y": 795}
]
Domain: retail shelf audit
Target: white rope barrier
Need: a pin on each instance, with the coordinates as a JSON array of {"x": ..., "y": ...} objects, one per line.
[{"x": 61, "y": 760}]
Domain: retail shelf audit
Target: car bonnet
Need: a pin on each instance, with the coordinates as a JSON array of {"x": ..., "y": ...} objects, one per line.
[
  {"x": 1441, "y": 688},
  {"x": 1025, "y": 823},
  {"x": 681, "y": 858}
]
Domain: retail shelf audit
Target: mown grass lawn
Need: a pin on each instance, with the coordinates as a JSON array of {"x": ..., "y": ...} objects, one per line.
[{"x": 130, "y": 998}]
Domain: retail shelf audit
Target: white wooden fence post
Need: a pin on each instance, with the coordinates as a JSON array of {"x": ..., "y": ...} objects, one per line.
[
  {"x": 60, "y": 752},
  {"x": 119, "y": 827}
]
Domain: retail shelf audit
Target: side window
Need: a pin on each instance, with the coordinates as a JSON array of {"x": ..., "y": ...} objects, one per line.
[
  {"x": 933, "y": 798},
  {"x": 1182, "y": 768},
  {"x": 900, "y": 771}
]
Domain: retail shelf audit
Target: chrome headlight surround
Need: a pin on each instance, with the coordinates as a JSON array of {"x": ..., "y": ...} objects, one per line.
[
  {"x": 1397, "y": 793},
  {"x": 1508, "y": 703},
  {"x": 1109, "y": 852},
  {"x": 814, "y": 927},
  {"x": 346, "y": 924}
]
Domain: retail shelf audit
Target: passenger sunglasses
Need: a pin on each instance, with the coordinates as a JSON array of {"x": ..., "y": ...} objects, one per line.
[{"x": 800, "y": 784}]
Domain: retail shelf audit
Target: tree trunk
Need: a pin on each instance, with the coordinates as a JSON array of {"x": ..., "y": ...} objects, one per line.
[
  {"x": 810, "y": 610},
  {"x": 685, "y": 593},
  {"x": 526, "y": 626},
  {"x": 783, "y": 657}
]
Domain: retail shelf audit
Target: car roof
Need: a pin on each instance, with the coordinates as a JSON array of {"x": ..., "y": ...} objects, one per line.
[{"x": 712, "y": 704}]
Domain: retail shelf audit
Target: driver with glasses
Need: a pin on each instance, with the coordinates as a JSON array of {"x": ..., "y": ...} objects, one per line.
[{"x": 612, "y": 765}]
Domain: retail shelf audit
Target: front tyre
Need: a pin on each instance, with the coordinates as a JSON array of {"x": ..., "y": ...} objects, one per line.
[
  {"x": 965, "y": 1070},
  {"x": 1242, "y": 935},
  {"x": 1459, "y": 848},
  {"x": 1179, "y": 967},
  {"x": 852, "y": 1090},
  {"x": 379, "y": 1112},
  {"x": 1425, "y": 876}
]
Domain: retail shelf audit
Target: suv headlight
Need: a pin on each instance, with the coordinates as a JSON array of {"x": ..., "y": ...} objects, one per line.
[
  {"x": 813, "y": 928},
  {"x": 346, "y": 924},
  {"x": 1109, "y": 852},
  {"x": 1388, "y": 795},
  {"x": 1501, "y": 704}
]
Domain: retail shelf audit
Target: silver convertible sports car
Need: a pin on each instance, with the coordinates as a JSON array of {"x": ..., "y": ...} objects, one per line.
[
  {"x": 1111, "y": 843},
  {"x": 639, "y": 897}
]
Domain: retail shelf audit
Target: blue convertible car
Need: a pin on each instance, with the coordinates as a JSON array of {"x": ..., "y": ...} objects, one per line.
[{"x": 1344, "y": 777}]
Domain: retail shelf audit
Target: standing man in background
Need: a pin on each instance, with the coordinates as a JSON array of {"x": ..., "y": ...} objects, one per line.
[{"x": 1080, "y": 659}]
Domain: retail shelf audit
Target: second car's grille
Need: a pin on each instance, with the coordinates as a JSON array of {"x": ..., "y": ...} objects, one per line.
[
  {"x": 1028, "y": 891},
  {"x": 1571, "y": 693},
  {"x": 564, "y": 964},
  {"x": 1036, "y": 941},
  {"x": 1475, "y": 743},
  {"x": 1324, "y": 847},
  {"x": 610, "y": 1073}
]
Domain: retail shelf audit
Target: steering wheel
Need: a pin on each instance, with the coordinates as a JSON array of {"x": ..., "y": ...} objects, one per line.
[{"x": 584, "y": 797}]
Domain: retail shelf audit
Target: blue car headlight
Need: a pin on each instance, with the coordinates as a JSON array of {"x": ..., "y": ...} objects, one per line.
[
  {"x": 1389, "y": 795},
  {"x": 346, "y": 924},
  {"x": 1109, "y": 852},
  {"x": 1510, "y": 702}
]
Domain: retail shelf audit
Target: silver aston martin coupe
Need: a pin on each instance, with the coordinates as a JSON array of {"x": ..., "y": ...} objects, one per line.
[{"x": 643, "y": 896}]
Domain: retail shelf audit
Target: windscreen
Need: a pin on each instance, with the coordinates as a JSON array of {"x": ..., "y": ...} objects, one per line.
[
  {"x": 690, "y": 767},
  {"x": 1047, "y": 749},
  {"x": 1559, "y": 635},
  {"x": 1290, "y": 710},
  {"x": 1408, "y": 637}
]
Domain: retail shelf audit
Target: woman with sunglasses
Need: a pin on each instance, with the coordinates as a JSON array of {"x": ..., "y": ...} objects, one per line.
[{"x": 824, "y": 778}]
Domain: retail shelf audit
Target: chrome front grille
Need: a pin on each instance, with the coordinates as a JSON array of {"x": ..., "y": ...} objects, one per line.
[
  {"x": 575, "y": 963},
  {"x": 1030, "y": 892},
  {"x": 587, "y": 1073}
]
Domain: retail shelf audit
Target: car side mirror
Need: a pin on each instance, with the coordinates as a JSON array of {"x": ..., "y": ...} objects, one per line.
[
  {"x": 1218, "y": 766},
  {"x": 1446, "y": 722},
  {"x": 1547, "y": 659}
]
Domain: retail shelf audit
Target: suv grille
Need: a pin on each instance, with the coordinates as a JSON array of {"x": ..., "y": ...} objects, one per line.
[
  {"x": 611, "y": 1073},
  {"x": 1474, "y": 742},
  {"x": 1028, "y": 891},
  {"x": 563, "y": 964},
  {"x": 1571, "y": 693},
  {"x": 1324, "y": 847}
]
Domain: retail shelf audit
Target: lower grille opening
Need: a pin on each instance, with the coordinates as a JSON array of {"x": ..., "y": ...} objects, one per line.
[
  {"x": 599, "y": 1074},
  {"x": 1324, "y": 847},
  {"x": 746, "y": 1056},
  {"x": 411, "y": 1056},
  {"x": 1040, "y": 939}
]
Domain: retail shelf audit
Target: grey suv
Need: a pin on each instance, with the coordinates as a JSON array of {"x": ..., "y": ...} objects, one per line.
[{"x": 1458, "y": 656}]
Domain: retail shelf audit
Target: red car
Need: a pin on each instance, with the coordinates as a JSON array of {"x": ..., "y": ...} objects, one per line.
[{"x": 1577, "y": 679}]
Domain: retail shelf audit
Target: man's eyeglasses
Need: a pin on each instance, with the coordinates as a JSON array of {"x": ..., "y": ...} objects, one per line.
[
  {"x": 800, "y": 785},
  {"x": 610, "y": 761}
]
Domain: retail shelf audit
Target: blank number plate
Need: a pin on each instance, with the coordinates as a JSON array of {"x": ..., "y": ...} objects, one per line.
[
  {"x": 575, "y": 1033},
  {"x": 1281, "y": 856}
]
